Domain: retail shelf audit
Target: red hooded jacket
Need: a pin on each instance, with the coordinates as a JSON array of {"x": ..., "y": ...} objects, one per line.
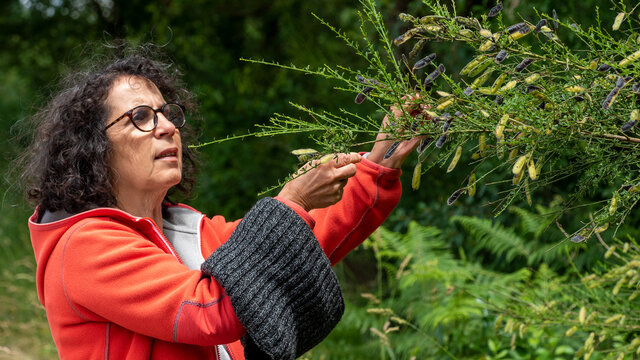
[{"x": 115, "y": 286}]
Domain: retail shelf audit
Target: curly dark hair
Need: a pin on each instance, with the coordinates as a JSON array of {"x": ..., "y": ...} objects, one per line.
[{"x": 66, "y": 166}]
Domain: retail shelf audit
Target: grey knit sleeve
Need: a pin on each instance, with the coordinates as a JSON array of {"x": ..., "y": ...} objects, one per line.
[{"x": 279, "y": 281}]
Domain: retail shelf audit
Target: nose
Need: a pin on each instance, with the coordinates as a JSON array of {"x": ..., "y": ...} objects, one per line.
[{"x": 164, "y": 127}]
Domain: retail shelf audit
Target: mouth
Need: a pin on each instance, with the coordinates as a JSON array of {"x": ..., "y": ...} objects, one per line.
[{"x": 168, "y": 153}]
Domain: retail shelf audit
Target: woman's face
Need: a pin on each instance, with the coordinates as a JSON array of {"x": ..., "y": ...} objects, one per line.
[{"x": 144, "y": 163}]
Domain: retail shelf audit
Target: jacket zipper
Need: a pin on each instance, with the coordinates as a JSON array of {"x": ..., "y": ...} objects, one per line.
[{"x": 164, "y": 240}]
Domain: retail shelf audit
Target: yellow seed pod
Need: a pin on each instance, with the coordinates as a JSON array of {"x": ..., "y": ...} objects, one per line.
[
  {"x": 633, "y": 296},
  {"x": 517, "y": 177},
  {"x": 591, "y": 317},
  {"x": 480, "y": 80},
  {"x": 485, "y": 91},
  {"x": 589, "y": 342},
  {"x": 519, "y": 34},
  {"x": 498, "y": 322},
  {"x": 614, "y": 204},
  {"x": 582, "y": 315},
  {"x": 472, "y": 184},
  {"x": 482, "y": 143},
  {"x": 432, "y": 114},
  {"x": 618, "y": 21},
  {"x": 631, "y": 58},
  {"x": 325, "y": 159},
  {"x": 484, "y": 113},
  {"x": 522, "y": 329},
  {"x": 433, "y": 28},
  {"x": 415, "y": 180},
  {"x": 466, "y": 33},
  {"x": 508, "y": 326},
  {"x": 634, "y": 115},
  {"x": 574, "y": 89},
  {"x": 532, "y": 78},
  {"x": 472, "y": 64},
  {"x": 527, "y": 192},
  {"x": 519, "y": 164},
  {"x": 625, "y": 247},
  {"x": 593, "y": 65},
  {"x": 486, "y": 46},
  {"x": 445, "y": 104},
  {"x": 476, "y": 155},
  {"x": 512, "y": 154},
  {"x": 498, "y": 83},
  {"x": 616, "y": 289},
  {"x": 485, "y": 33},
  {"x": 609, "y": 252},
  {"x": 443, "y": 93},
  {"x": 510, "y": 85},
  {"x": 613, "y": 318},
  {"x": 455, "y": 159},
  {"x": 533, "y": 174},
  {"x": 571, "y": 331},
  {"x": 601, "y": 228}
]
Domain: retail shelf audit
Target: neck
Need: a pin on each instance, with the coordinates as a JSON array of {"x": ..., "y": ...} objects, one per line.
[{"x": 148, "y": 205}]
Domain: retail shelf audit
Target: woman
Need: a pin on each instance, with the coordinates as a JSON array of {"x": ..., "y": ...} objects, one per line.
[{"x": 123, "y": 272}]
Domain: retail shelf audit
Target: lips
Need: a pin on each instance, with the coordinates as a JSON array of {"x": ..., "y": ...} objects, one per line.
[{"x": 170, "y": 152}]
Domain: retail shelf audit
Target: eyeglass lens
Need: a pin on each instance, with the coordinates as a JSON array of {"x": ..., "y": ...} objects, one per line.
[{"x": 143, "y": 116}]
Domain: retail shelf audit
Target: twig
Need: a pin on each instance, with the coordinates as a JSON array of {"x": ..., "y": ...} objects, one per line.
[{"x": 611, "y": 136}]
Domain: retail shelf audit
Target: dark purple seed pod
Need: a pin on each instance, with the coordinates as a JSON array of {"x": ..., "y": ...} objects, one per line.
[
  {"x": 392, "y": 149},
  {"x": 578, "y": 98},
  {"x": 540, "y": 24},
  {"x": 577, "y": 238},
  {"x": 609, "y": 99},
  {"x": 441, "y": 140},
  {"x": 626, "y": 187},
  {"x": 621, "y": 82},
  {"x": 441, "y": 69},
  {"x": 499, "y": 100},
  {"x": 424, "y": 61},
  {"x": 604, "y": 67},
  {"x": 432, "y": 76},
  {"x": 542, "y": 105},
  {"x": 456, "y": 194},
  {"x": 635, "y": 87},
  {"x": 414, "y": 126},
  {"x": 529, "y": 89},
  {"x": 459, "y": 114},
  {"x": 423, "y": 145},
  {"x": 362, "y": 80},
  {"x": 523, "y": 65},
  {"x": 555, "y": 19},
  {"x": 495, "y": 10},
  {"x": 468, "y": 91},
  {"x": 361, "y": 96},
  {"x": 427, "y": 87},
  {"x": 575, "y": 27},
  {"x": 446, "y": 126},
  {"x": 501, "y": 56},
  {"x": 628, "y": 125},
  {"x": 520, "y": 27},
  {"x": 446, "y": 116}
]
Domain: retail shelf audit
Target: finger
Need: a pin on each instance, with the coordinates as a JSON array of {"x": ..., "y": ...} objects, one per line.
[
  {"x": 345, "y": 172},
  {"x": 346, "y": 159}
]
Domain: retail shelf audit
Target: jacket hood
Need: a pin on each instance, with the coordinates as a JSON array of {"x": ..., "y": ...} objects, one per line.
[{"x": 45, "y": 235}]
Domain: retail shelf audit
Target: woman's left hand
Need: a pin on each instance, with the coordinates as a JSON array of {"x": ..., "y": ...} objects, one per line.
[{"x": 404, "y": 148}]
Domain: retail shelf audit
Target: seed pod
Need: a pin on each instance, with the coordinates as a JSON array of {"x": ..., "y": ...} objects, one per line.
[
  {"x": 582, "y": 315},
  {"x": 532, "y": 78},
  {"x": 610, "y": 98},
  {"x": 406, "y": 17},
  {"x": 417, "y": 47},
  {"x": 446, "y": 126},
  {"x": 484, "y": 113},
  {"x": 555, "y": 19},
  {"x": 455, "y": 159},
  {"x": 495, "y": 10},
  {"x": 512, "y": 154},
  {"x": 625, "y": 247},
  {"x": 501, "y": 125},
  {"x": 636, "y": 87},
  {"x": 609, "y": 252},
  {"x": 517, "y": 177},
  {"x": 618, "y": 21},
  {"x": 441, "y": 69},
  {"x": 510, "y": 85},
  {"x": 519, "y": 27},
  {"x": 445, "y": 104},
  {"x": 533, "y": 173},
  {"x": 392, "y": 149},
  {"x": 571, "y": 331},
  {"x": 593, "y": 65},
  {"x": 424, "y": 61},
  {"x": 472, "y": 184},
  {"x": 613, "y": 318},
  {"x": 445, "y": 116},
  {"x": 628, "y": 125},
  {"x": 361, "y": 96},
  {"x": 486, "y": 46},
  {"x": 480, "y": 80},
  {"x": 601, "y": 228},
  {"x": 434, "y": 75},
  {"x": 631, "y": 58},
  {"x": 577, "y": 238},
  {"x": 404, "y": 37},
  {"x": 498, "y": 100},
  {"x": 362, "y": 80},
  {"x": 539, "y": 25},
  {"x": 468, "y": 91},
  {"x": 604, "y": 67},
  {"x": 304, "y": 155},
  {"x": 441, "y": 140},
  {"x": 456, "y": 194},
  {"x": 482, "y": 143},
  {"x": 472, "y": 64},
  {"x": 523, "y": 65},
  {"x": 614, "y": 204},
  {"x": 431, "y": 19},
  {"x": 485, "y": 33},
  {"x": 519, "y": 164},
  {"x": 423, "y": 145},
  {"x": 574, "y": 89},
  {"x": 501, "y": 56},
  {"x": 620, "y": 82},
  {"x": 415, "y": 180}
]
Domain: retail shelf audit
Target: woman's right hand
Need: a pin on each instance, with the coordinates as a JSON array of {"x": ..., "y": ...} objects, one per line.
[{"x": 319, "y": 184}]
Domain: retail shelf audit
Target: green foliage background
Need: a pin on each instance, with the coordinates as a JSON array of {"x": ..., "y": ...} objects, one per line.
[{"x": 466, "y": 266}]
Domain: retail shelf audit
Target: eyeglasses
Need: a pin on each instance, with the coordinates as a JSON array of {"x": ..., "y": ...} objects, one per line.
[{"x": 145, "y": 118}]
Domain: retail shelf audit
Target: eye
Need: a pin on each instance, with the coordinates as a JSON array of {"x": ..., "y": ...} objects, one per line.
[{"x": 141, "y": 114}]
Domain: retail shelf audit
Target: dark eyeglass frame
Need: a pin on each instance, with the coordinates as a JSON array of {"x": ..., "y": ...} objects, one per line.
[{"x": 129, "y": 114}]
